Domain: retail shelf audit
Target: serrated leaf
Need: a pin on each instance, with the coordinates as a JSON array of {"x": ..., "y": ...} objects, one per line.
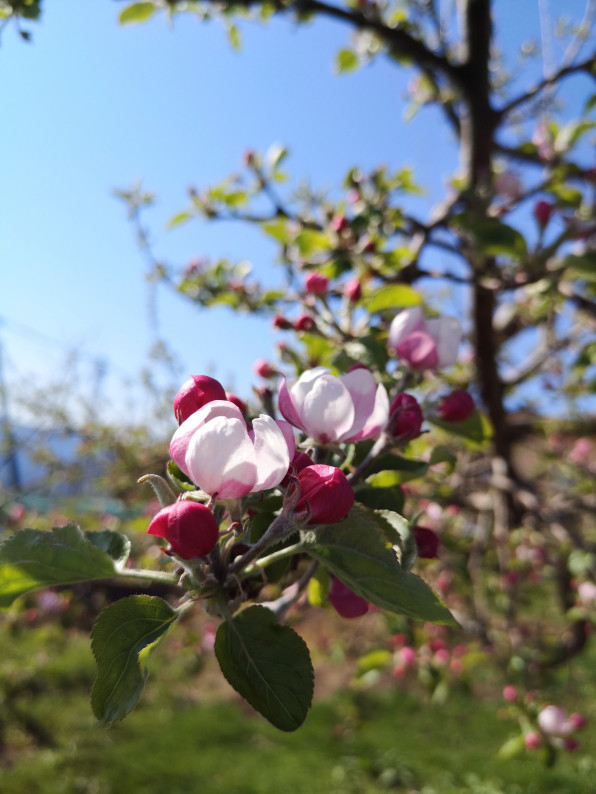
[
  {"x": 32, "y": 559},
  {"x": 393, "y": 296},
  {"x": 357, "y": 551},
  {"x": 121, "y": 633},
  {"x": 135, "y": 13},
  {"x": 403, "y": 537},
  {"x": 114, "y": 544},
  {"x": 268, "y": 664}
]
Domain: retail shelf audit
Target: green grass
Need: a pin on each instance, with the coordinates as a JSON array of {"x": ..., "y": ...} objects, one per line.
[{"x": 363, "y": 742}]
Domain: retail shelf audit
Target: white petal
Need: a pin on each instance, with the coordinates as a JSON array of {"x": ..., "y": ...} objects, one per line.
[
  {"x": 447, "y": 333},
  {"x": 221, "y": 458},
  {"x": 328, "y": 411},
  {"x": 271, "y": 453},
  {"x": 304, "y": 384}
]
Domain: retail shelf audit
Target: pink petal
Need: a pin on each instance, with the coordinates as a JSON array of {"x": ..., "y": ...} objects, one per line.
[
  {"x": 288, "y": 433},
  {"x": 271, "y": 453},
  {"x": 363, "y": 388},
  {"x": 287, "y": 407},
  {"x": 378, "y": 418},
  {"x": 221, "y": 458},
  {"x": 419, "y": 351},
  {"x": 404, "y": 324},
  {"x": 327, "y": 411}
]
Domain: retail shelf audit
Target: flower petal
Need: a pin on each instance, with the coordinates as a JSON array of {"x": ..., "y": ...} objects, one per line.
[
  {"x": 221, "y": 458},
  {"x": 377, "y": 419},
  {"x": 287, "y": 407},
  {"x": 404, "y": 324},
  {"x": 271, "y": 453},
  {"x": 327, "y": 411},
  {"x": 419, "y": 351},
  {"x": 447, "y": 333},
  {"x": 363, "y": 388},
  {"x": 182, "y": 436}
]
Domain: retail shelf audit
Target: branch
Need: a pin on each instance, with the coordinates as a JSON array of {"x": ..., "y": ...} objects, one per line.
[{"x": 565, "y": 71}]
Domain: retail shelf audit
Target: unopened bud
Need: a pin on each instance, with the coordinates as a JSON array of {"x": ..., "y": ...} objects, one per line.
[
  {"x": 195, "y": 393},
  {"x": 456, "y": 407},
  {"x": 189, "y": 528}
]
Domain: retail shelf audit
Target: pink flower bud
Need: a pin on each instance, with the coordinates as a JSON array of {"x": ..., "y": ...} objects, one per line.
[
  {"x": 316, "y": 284},
  {"x": 409, "y": 415},
  {"x": 510, "y": 693},
  {"x": 195, "y": 393},
  {"x": 456, "y": 407},
  {"x": 532, "y": 740},
  {"x": 189, "y": 528},
  {"x": 304, "y": 323},
  {"x": 427, "y": 542},
  {"x": 237, "y": 401},
  {"x": 424, "y": 344},
  {"x": 407, "y": 655},
  {"x": 339, "y": 222},
  {"x": 571, "y": 745},
  {"x": 578, "y": 721},
  {"x": 280, "y": 322},
  {"x": 327, "y": 493},
  {"x": 542, "y": 212},
  {"x": 345, "y": 602},
  {"x": 353, "y": 290},
  {"x": 263, "y": 368}
]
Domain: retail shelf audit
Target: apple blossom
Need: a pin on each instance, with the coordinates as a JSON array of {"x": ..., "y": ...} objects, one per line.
[
  {"x": 189, "y": 528},
  {"x": 195, "y": 393},
  {"x": 326, "y": 492},
  {"x": 221, "y": 456},
  {"x": 349, "y": 408},
  {"x": 345, "y": 602},
  {"x": 422, "y": 343},
  {"x": 553, "y": 721}
]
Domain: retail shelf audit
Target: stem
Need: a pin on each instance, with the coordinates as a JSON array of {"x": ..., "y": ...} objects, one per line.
[
  {"x": 152, "y": 576},
  {"x": 289, "y": 551},
  {"x": 281, "y": 528}
]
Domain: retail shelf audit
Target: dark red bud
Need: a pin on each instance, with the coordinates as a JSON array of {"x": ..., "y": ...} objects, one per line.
[
  {"x": 304, "y": 323},
  {"x": 189, "y": 528},
  {"x": 316, "y": 284},
  {"x": 345, "y": 602},
  {"x": 427, "y": 542},
  {"x": 195, "y": 393},
  {"x": 542, "y": 212},
  {"x": 456, "y": 407},
  {"x": 280, "y": 322},
  {"x": 408, "y": 413},
  {"x": 239, "y": 403},
  {"x": 353, "y": 290},
  {"x": 339, "y": 223},
  {"x": 326, "y": 491}
]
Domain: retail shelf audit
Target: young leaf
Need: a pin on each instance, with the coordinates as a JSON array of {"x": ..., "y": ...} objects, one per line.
[
  {"x": 120, "y": 634},
  {"x": 393, "y": 296},
  {"x": 33, "y": 558},
  {"x": 356, "y": 550},
  {"x": 268, "y": 664},
  {"x": 136, "y": 12}
]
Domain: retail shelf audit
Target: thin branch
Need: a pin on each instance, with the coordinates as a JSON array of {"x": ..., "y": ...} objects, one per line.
[{"x": 565, "y": 71}]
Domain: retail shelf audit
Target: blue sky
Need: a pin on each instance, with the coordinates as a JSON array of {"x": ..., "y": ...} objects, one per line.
[{"x": 91, "y": 106}]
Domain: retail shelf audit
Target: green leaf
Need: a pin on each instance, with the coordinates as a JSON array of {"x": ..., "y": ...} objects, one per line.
[
  {"x": 178, "y": 220},
  {"x": 318, "y": 587},
  {"x": 346, "y": 61},
  {"x": 114, "y": 544},
  {"x": 581, "y": 266},
  {"x": 403, "y": 537},
  {"x": 442, "y": 454},
  {"x": 135, "y": 13},
  {"x": 234, "y": 37},
  {"x": 32, "y": 559},
  {"x": 394, "y": 470},
  {"x": 178, "y": 478},
  {"x": 393, "y": 296},
  {"x": 356, "y": 550},
  {"x": 121, "y": 633},
  {"x": 311, "y": 242},
  {"x": 511, "y": 748},
  {"x": 476, "y": 428},
  {"x": 494, "y": 238},
  {"x": 268, "y": 664},
  {"x": 380, "y": 498},
  {"x": 373, "y": 660}
]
